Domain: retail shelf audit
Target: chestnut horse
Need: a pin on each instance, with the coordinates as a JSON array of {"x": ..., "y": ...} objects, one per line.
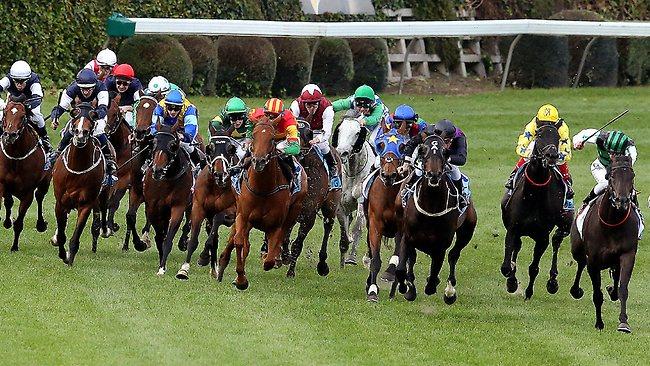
[
  {"x": 609, "y": 239},
  {"x": 379, "y": 207},
  {"x": 167, "y": 189},
  {"x": 77, "y": 177},
  {"x": 265, "y": 203},
  {"x": 213, "y": 199},
  {"x": 21, "y": 167}
]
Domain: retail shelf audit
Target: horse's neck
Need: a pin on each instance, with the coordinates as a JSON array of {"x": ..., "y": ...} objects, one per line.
[
  {"x": 267, "y": 179},
  {"x": 81, "y": 158},
  {"x": 607, "y": 211},
  {"x": 120, "y": 137},
  {"x": 361, "y": 161},
  {"x": 438, "y": 198}
]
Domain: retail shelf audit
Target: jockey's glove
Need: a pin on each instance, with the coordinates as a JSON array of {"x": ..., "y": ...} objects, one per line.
[{"x": 292, "y": 148}]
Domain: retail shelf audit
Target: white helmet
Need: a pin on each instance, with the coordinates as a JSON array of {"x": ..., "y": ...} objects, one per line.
[
  {"x": 106, "y": 57},
  {"x": 20, "y": 70},
  {"x": 158, "y": 84}
]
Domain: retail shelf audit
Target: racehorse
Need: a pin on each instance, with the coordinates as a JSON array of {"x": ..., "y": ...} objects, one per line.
[
  {"x": 118, "y": 132},
  {"x": 608, "y": 239},
  {"x": 77, "y": 176},
  {"x": 431, "y": 218},
  {"x": 21, "y": 162},
  {"x": 319, "y": 198},
  {"x": 167, "y": 189},
  {"x": 358, "y": 157},
  {"x": 265, "y": 203},
  {"x": 213, "y": 199},
  {"x": 533, "y": 209},
  {"x": 379, "y": 206}
]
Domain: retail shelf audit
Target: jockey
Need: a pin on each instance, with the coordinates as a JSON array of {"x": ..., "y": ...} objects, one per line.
[
  {"x": 87, "y": 89},
  {"x": 21, "y": 81},
  {"x": 456, "y": 146},
  {"x": 233, "y": 120},
  {"x": 103, "y": 64},
  {"x": 171, "y": 111},
  {"x": 318, "y": 111},
  {"x": 368, "y": 103},
  {"x": 607, "y": 143},
  {"x": 406, "y": 113},
  {"x": 162, "y": 85},
  {"x": 548, "y": 114},
  {"x": 124, "y": 82}
]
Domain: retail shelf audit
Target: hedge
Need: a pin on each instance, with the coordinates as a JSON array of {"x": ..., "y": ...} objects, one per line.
[
  {"x": 333, "y": 68},
  {"x": 246, "y": 66},
  {"x": 152, "y": 55},
  {"x": 203, "y": 54},
  {"x": 293, "y": 65},
  {"x": 370, "y": 56},
  {"x": 538, "y": 61},
  {"x": 637, "y": 66}
]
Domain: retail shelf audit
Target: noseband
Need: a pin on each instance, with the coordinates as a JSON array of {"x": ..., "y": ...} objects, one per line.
[{"x": 172, "y": 157}]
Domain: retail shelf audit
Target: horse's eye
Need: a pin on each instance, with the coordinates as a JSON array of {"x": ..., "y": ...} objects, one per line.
[
  {"x": 381, "y": 146},
  {"x": 402, "y": 148}
]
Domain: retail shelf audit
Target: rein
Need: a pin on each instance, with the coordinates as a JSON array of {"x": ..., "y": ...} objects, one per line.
[{"x": 277, "y": 188}]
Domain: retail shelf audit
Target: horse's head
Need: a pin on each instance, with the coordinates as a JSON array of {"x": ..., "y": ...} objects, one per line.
[
  {"x": 262, "y": 145},
  {"x": 222, "y": 151},
  {"x": 306, "y": 134},
  {"x": 143, "y": 117},
  {"x": 621, "y": 182},
  {"x": 433, "y": 154},
  {"x": 82, "y": 123},
  {"x": 547, "y": 140},
  {"x": 350, "y": 135},
  {"x": 14, "y": 120},
  {"x": 165, "y": 152},
  {"x": 390, "y": 146},
  {"x": 113, "y": 115}
]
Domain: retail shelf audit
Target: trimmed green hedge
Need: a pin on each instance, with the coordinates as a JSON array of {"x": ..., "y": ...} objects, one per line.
[
  {"x": 152, "y": 55},
  {"x": 293, "y": 65},
  {"x": 370, "y": 56},
  {"x": 203, "y": 54},
  {"x": 333, "y": 67},
  {"x": 246, "y": 66}
]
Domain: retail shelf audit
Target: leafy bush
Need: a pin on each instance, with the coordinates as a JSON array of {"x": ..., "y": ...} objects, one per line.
[
  {"x": 370, "y": 58},
  {"x": 246, "y": 66},
  {"x": 293, "y": 64},
  {"x": 203, "y": 54},
  {"x": 637, "y": 67},
  {"x": 538, "y": 61},
  {"x": 333, "y": 66}
]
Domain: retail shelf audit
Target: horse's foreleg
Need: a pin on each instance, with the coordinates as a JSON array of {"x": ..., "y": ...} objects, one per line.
[
  {"x": 20, "y": 219},
  {"x": 241, "y": 242},
  {"x": 175, "y": 219},
  {"x": 185, "y": 230},
  {"x": 374, "y": 245},
  {"x": 509, "y": 265},
  {"x": 95, "y": 228},
  {"x": 579, "y": 255},
  {"x": 213, "y": 242},
  {"x": 224, "y": 258},
  {"x": 551, "y": 285},
  {"x": 59, "y": 237},
  {"x": 627, "y": 264},
  {"x": 198, "y": 214},
  {"x": 594, "y": 274},
  {"x": 612, "y": 290},
  {"x": 113, "y": 206},
  {"x": 8, "y": 202},
  {"x": 41, "y": 191},
  {"x": 135, "y": 200},
  {"x": 437, "y": 258},
  {"x": 323, "y": 268},
  {"x": 389, "y": 273},
  {"x": 344, "y": 240},
  {"x": 298, "y": 242},
  {"x": 541, "y": 243},
  {"x": 276, "y": 239},
  {"x": 82, "y": 218},
  {"x": 400, "y": 271}
]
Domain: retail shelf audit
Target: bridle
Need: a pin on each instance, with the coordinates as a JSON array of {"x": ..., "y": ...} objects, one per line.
[
  {"x": 264, "y": 160},
  {"x": 143, "y": 100},
  {"x": 221, "y": 157},
  {"x": 433, "y": 146},
  {"x": 171, "y": 157}
]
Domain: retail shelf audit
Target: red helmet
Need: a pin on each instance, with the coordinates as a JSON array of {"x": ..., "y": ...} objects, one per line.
[
  {"x": 311, "y": 93},
  {"x": 124, "y": 71}
]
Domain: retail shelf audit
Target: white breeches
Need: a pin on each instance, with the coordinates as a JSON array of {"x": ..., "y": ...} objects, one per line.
[
  {"x": 188, "y": 147},
  {"x": 323, "y": 147},
  {"x": 599, "y": 172},
  {"x": 454, "y": 173},
  {"x": 37, "y": 117},
  {"x": 128, "y": 117},
  {"x": 100, "y": 127}
]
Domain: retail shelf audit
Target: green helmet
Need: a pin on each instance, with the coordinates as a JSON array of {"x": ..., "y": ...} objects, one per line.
[
  {"x": 235, "y": 105},
  {"x": 364, "y": 91}
]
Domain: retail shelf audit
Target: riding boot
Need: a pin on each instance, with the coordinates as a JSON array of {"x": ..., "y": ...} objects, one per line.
[
  {"x": 335, "y": 180},
  {"x": 568, "y": 202},
  {"x": 288, "y": 168},
  {"x": 511, "y": 180},
  {"x": 110, "y": 178},
  {"x": 52, "y": 156},
  {"x": 45, "y": 139},
  {"x": 459, "y": 187},
  {"x": 588, "y": 199},
  {"x": 198, "y": 158}
]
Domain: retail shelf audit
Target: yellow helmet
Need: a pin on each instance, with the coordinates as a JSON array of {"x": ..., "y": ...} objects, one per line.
[{"x": 548, "y": 113}]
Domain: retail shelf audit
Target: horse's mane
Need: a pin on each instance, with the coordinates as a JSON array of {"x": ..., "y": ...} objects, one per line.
[{"x": 352, "y": 113}]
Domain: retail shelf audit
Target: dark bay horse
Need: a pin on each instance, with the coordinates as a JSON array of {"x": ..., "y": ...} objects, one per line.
[
  {"x": 379, "y": 207},
  {"x": 609, "y": 240},
  {"x": 167, "y": 189},
  {"x": 265, "y": 203},
  {"x": 431, "y": 218},
  {"x": 533, "y": 209},
  {"x": 213, "y": 199},
  {"x": 77, "y": 177},
  {"x": 118, "y": 132},
  {"x": 21, "y": 168},
  {"x": 319, "y": 199}
]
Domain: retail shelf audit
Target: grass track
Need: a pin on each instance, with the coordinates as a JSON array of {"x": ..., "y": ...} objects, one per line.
[{"x": 110, "y": 308}]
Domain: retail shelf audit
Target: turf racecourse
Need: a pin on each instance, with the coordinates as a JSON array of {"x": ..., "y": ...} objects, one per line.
[{"x": 111, "y": 308}]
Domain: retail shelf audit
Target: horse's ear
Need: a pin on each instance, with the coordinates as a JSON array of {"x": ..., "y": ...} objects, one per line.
[
  {"x": 211, "y": 130},
  {"x": 93, "y": 115},
  {"x": 75, "y": 112},
  {"x": 384, "y": 127},
  {"x": 158, "y": 125},
  {"x": 117, "y": 99},
  {"x": 335, "y": 136},
  {"x": 403, "y": 128},
  {"x": 175, "y": 127}
]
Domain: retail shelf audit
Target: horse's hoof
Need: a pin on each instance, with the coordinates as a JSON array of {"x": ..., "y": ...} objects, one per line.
[
  {"x": 624, "y": 328},
  {"x": 411, "y": 294},
  {"x": 613, "y": 295},
  {"x": 552, "y": 286},
  {"x": 599, "y": 325},
  {"x": 241, "y": 286},
  {"x": 577, "y": 292},
  {"x": 161, "y": 272},
  {"x": 139, "y": 245},
  {"x": 451, "y": 299},
  {"x": 429, "y": 289},
  {"x": 125, "y": 248},
  {"x": 286, "y": 259},
  {"x": 373, "y": 297},
  {"x": 323, "y": 269},
  {"x": 94, "y": 248},
  {"x": 505, "y": 271},
  {"x": 203, "y": 260},
  {"x": 182, "y": 275},
  {"x": 53, "y": 241},
  {"x": 291, "y": 273},
  {"x": 529, "y": 293},
  {"x": 116, "y": 227},
  {"x": 14, "y": 248},
  {"x": 213, "y": 273},
  {"x": 145, "y": 239},
  {"x": 351, "y": 260},
  {"x": 41, "y": 226},
  {"x": 107, "y": 233},
  {"x": 7, "y": 224},
  {"x": 512, "y": 284},
  {"x": 182, "y": 244}
]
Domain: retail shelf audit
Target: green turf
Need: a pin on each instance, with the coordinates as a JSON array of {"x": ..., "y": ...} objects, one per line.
[{"x": 111, "y": 308}]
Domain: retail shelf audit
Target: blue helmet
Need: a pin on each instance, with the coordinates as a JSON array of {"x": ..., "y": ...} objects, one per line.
[
  {"x": 86, "y": 78},
  {"x": 405, "y": 113},
  {"x": 174, "y": 97}
]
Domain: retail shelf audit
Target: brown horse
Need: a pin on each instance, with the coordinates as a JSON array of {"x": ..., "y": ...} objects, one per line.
[
  {"x": 609, "y": 239},
  {"x": 431, "y": 218},
  {"x": 213, "y": 199},
  {"x": 379, "y": 206},
  {"x": 265, "y": 203},
  {"x": 167, "y": 189},
  {"x": 77, "y": 177},
  {"x": 320, "y": 198},
  {"x": 21, "y": 168}
]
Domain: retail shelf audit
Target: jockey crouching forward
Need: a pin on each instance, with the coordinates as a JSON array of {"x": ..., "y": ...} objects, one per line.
[
  {"x": 172, "y": 111},
  {"x": 124, "y": 82},
  {"x": 22, "y": 82},
  {"x": 314, "y": 108},
  {"x": 406, "y": 114},
  {"x": 546, "y": 114},
  {"x": 87, "y": 89},
  {"x": 370, "y": 105},
  {"x": 233, "y": 122}
]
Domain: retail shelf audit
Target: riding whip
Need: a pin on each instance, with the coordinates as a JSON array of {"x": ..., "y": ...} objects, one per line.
[
  {"x": 131, "y": 158},
  {"x": 608, "y": 123}
]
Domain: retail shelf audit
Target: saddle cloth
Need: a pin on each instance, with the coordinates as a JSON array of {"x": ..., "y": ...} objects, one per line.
[{"x": 367, "y": 183}]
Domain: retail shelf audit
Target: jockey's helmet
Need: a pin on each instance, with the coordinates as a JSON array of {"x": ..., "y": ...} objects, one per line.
[
  {"x": 311, "y": 93},
  {"x": 273, "y": 106},
  {"x": 20, "y": 70},
  {"x": 174, "y": 97},
  {"x": 86, "y": 78},
  {"x": 405, "y": 112},
  {"x": 158, "y": 84},
  {"x": 548, "y": 113},
  {"x": 445, "y": 129},
  {"x": 106, "y": 57},
  {"x": 235, "y": 105},
  {"x": 124, "y": 71},
  {"x": 364, "y": 97}
]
